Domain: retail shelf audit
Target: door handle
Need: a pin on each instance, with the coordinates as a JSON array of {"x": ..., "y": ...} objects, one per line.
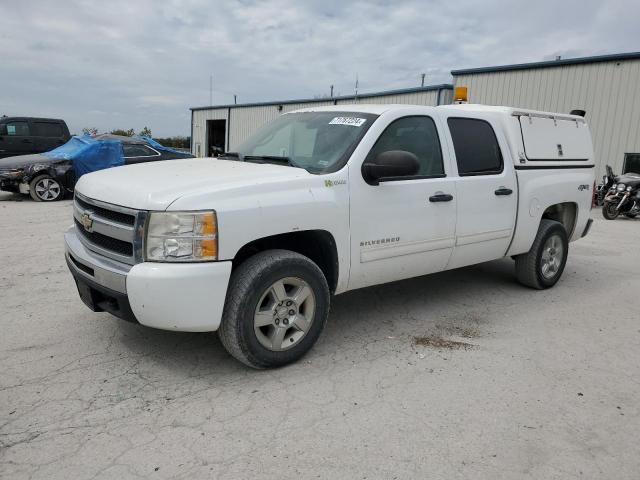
[
  {"x": 26, "y": 140},
  {"x": 503, "y": 191},
  {"x": 440, "y": 197}
]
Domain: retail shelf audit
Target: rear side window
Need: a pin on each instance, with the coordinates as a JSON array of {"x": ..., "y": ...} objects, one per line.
[
  {"x": 18, "y": 129},
  {"x": 417, "y": 135},
  {"x": 137, "y": 151},
  {"x": 476, "y": 146},
  {"x": 47, "y": 129}
]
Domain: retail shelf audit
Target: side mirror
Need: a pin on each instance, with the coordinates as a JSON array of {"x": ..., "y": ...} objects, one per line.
[{"x": 389, "y": 165}]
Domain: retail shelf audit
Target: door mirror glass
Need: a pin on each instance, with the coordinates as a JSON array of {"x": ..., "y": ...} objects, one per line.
[{"x": 392, "y": 164}]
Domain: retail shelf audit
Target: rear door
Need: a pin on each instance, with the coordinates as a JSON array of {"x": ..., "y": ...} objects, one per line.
[
  {"x": 47, "y": 135},
  {"x": 15, "y": 138},
  {"x": 487, "y": 190}
]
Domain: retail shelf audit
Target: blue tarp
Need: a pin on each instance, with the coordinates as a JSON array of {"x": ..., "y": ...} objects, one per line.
[{"x": 88, "y": 154}]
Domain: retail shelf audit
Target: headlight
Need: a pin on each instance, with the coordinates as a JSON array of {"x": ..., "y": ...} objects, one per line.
[
  {"x": 629, "y": 188},
  {"x": 621, "y": 187},
  {"x": 182, "y": 237},
  {"x": 14, "y": 174}
]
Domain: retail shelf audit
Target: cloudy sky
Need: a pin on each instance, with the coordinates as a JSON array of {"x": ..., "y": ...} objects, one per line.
[{"x": 131, "y": 64}]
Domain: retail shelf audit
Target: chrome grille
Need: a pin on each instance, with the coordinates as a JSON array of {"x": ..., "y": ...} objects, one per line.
[{"x": 109, "y": 230}]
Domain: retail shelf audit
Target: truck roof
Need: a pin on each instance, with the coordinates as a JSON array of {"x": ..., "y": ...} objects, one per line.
[
  {"x": 475, "y": 107},
  {"x": 379, "y": 109},
  {"x": 15, "y": 119}
]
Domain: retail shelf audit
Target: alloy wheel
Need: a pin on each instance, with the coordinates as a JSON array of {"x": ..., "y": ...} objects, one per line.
[{"x": 284, "y": 314}]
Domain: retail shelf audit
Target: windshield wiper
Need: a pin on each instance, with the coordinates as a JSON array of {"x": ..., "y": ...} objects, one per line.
[{"x": 270, "y": 159}]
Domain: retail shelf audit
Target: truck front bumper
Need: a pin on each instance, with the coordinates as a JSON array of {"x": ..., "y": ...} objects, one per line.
[{"x": 186, "y": 297}]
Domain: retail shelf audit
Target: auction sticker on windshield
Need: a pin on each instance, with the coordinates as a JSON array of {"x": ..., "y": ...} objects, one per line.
[{"x": 353, "y": 121}]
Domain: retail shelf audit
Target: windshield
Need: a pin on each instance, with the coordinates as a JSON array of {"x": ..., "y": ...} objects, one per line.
[{"x": 319, "y": 142}]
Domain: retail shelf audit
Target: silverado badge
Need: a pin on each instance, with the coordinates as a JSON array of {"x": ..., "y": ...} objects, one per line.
[{"x": 87, "y": 222}]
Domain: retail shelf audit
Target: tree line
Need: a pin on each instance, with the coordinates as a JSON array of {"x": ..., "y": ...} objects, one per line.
[{"x": 175, "y": 142}]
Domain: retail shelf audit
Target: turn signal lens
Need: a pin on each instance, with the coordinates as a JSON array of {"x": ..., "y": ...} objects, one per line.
[
  {"x": 206, "y": 224},
  {"x": 206, "y": 248}
]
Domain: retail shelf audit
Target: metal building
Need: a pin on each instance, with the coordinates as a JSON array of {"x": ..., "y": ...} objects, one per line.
[
  {"x": 225, "y": 126},
  {"x": 607, "y": 87}
]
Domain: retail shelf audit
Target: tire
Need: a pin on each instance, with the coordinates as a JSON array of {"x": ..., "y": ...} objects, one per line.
[
  {"x": 258, "y": 327},
  {"x": 609, "y": 211},
  {"x": 543, "y": 265},
  {"x": 44, "y": 188}
]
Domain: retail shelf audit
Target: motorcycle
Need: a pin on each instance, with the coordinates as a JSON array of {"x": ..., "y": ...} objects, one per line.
[
  {"x": 623, "y": 197},
  {"x": 602, "y": 189}
]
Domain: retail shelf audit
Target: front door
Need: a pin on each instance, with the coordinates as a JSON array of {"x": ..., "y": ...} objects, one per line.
[
  {"x": 487, "y": 191},
  {"x": 403, "y": 227}
]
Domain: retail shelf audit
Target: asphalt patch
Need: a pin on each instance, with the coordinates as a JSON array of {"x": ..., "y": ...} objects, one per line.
[{"x": 442, "y": 343}]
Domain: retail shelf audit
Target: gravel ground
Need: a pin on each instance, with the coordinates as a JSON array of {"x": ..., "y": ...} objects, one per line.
[{"x": 463, "y": 374}]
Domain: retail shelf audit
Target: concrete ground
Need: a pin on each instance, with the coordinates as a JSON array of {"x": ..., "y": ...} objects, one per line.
[{"x": 463, "y": 374}]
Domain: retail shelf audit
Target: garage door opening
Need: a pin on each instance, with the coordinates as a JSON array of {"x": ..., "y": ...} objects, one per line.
[{"x": 216, "y": 134}]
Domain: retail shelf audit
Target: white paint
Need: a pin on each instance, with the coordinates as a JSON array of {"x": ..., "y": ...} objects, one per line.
[{"x": 186, "y": 297}]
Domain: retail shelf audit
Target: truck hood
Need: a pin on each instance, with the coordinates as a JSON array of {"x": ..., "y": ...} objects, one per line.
[{"x": 156, "y": 185}]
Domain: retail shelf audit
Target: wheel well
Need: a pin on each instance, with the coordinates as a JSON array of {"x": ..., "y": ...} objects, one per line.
[
  {"x": 565, "y": 213},
  {"x": 318, "y": 245}
]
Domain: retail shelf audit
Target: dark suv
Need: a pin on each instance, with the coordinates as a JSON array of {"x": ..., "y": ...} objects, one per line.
[{"x": 25, "y": 135}]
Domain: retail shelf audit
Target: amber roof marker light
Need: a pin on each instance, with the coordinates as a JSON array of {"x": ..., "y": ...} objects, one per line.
[{"x": 460, "y": 95}]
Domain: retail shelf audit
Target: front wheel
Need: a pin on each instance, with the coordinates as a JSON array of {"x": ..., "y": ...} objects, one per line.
[
  {"x": 610, "y": 211},
  {"x": 542, "y": 266},
  {"x": 276, "y": 308},
  {"x": 44, "y": 188}
]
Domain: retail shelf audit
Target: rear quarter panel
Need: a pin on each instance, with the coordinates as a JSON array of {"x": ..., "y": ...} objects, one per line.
[{"x": 542, "y": 188}]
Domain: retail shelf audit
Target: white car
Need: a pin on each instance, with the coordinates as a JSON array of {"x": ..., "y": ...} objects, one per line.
[{"x": 326, "y": 200}]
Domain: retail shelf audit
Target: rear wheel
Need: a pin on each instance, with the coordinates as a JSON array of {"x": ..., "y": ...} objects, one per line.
[
  {"x": 276, "y": 308},
  {"x": 44, "y": 188},
  {"x": 610, "y": 211},
  {"x": 542, "y": 266}
]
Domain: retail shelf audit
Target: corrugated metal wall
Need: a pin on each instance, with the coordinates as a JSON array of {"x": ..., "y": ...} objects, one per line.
[
  {"x": 608, "y": 91},
  {"x": 245, "y": 120},
  {"x": 199, "y": 127}
]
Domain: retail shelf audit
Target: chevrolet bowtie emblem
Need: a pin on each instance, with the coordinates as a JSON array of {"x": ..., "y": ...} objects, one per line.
[{"x": 87, "y": 222}]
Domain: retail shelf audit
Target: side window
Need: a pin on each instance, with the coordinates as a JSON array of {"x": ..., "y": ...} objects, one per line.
[
  {"x": 137, "y": 151},
  {"x": 476, "y": 146},
  {"x": 417, "y": 135},
  {"x": 18, "y": 129},
  {"x": 47, "y": 129}
]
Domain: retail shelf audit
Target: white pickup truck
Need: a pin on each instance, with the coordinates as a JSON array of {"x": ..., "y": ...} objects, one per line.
[{"x": 326, "y": 200}]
